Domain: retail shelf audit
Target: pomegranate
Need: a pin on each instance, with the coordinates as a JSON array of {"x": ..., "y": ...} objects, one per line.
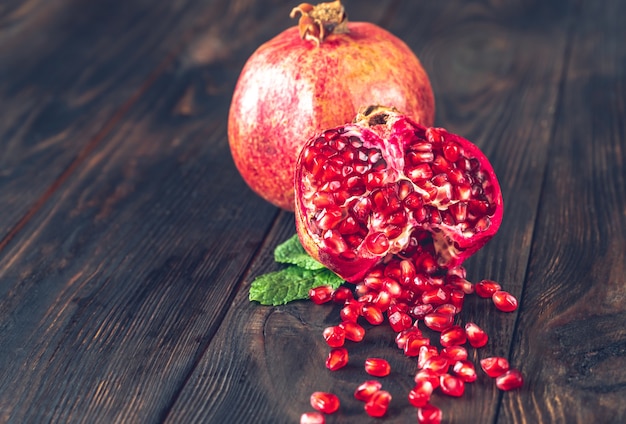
[
  {"x": 385, "y": 189},
  {"x": 315, "y": 76}
]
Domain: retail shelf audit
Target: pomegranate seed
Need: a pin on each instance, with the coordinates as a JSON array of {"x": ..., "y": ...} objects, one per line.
[
  {"x": 510, "y": 380},
  {"x": 372, "y": 314},
  {"x": 460, "y": 283},
  {"x": 453, "y": 336},
  {"x": 447, "y": 308},
  {"x": 494, "y": 366},
  {"x": 420, "y": 311},
  {"x": 404, "y": 335},
  {"x": 399, "y": 321},
  {"x": 378, "y": 404},
  {"x": 454, "y": 353},
  {"x": 428, "y": 375},
  {"x": 451, "y": 385},
  {"x": 325, "y": 402},
  {"x": 351, "y": 311},
  {"x": 414, "y": 344},
  {"x": 312, "y": 418},
  {"x": 438, "y": 321},
  {"x": 504, "y": 301},
  {"x": 337, "y": 358},
  {"x": 436, "y": 296},
  {"x": 377, "y": 367},
  {"x": 476, "y": 335},
  {"x": 353, "y": 331},
  {"x": 486, "y": 288},
  {"x": 334, "y": 336},
  {"x": 429, "y": 414},
  {"x": 321, "y": 294},
  {"x": 438, "y": 364},
  {"x": 457, "y": 298},
  {"x": 425, "y": 353},
  {"x": 465, "y": 370},
  {"x": 367, "y": 389},
  {"x": 341, "y": 294},
  {"x": 419, "y": 396}
]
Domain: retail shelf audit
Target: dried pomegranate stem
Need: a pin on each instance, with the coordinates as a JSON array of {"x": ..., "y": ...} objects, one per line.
[{"x": 319, "y": 21}]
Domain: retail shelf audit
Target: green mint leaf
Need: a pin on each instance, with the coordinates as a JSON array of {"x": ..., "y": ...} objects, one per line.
[
  {"x": 291, "y": 283},
  {"x": 291, "y": 252}
]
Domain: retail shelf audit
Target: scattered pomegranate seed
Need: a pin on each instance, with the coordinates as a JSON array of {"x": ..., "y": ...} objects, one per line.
[
  {"x": 351, "y": 311},
  {"x": 325, "y": 402},
  {"x": 372, "y": 314},
  {"x": 453, "y": 336},
  {"x": 413, "y": 345},
  {"x": 419, "y": 396},
  {"x": 321, "y": 294},
  {"x": 437, "y": 364},
  {"x": 335, "y": 336},
  {"x": 429, "y": 414},
  {"x": 486, "y": 288},
  {"x": 312, "y": 418},
  {"x": 510, "y": 380},
  {"x": 451, "y": 385},
  {"x": 337, "y": 358},
  {"x": 425, "y": 353},
  {"x": 400, "y": 321},
  {"x": 377, "y": 367},
  {"x": 404, "y": 335},
  {"x": 438, "y": 321},
  {"x": 367, "y": 389},
  {"x": 454, "y": 353},
  {"x": 428, "y": 375},
  {"x": 504, "y": 301},
  {"x": 476, "y": 335},
  {"x": 353, "y": 331},
  {"x": 465, "y": 370},
  {"x": 378, "y": 404},
  {"x": 494, "y": 366}
]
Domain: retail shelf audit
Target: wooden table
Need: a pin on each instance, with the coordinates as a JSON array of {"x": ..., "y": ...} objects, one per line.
[{"x": 128, "y": 239}]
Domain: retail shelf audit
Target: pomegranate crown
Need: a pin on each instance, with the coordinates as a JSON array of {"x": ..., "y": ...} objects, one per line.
[{"x": 317, "y": 22}]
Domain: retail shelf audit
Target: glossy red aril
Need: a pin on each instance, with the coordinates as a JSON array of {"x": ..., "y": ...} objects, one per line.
[
  {"x": 451, "y": 385},
  {"x": 325, "y": 402},
  {"x": 504, "y": 301},
  {"x": 428, "y": 375},
  {"x": 494, "y": 366},
  {"x": 366, "y": 390},
  {"x": 476, "y": 335},
  {"x": 312, "y": 418},
  {"x": 372, "y": 314},
  {"x": 425, "y": 353},
  {"x": 438, "y": 321},
  {"x": 378, "y": 404},
  {"x": 341, "y": 294},
  {"x": 377, "y": 367},
  {"x": 337, "y": 358},
  {"x": 419, "y": 396},
  {"x": 452, "y": 336},
  {"x": 465, "y": 370},
  {"x": 321, "y": 294},
  {"x": 311, "y": 77},
  {"x": 353, "y": 331},
  {"x": 335, "y": 336},
  {"x": 486, "y": 288},
  {"x": 454, "y": 353},
  {"x": 510, "y": 380},
  {"x": 393, "y": 188},
  {"x": 429, "y": 414}
]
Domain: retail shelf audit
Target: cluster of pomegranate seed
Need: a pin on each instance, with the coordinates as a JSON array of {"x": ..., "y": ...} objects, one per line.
[{"x": 415, "y": 303}]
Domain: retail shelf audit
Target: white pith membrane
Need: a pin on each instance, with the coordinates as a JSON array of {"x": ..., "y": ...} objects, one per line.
[{"x": 329, "y": 204}]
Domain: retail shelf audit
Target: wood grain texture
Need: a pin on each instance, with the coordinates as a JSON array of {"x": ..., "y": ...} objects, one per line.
[{"x": 571, "y": 337}]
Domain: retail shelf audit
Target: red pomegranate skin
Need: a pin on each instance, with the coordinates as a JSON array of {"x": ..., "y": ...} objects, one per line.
[{"x": 290, "y": 89}]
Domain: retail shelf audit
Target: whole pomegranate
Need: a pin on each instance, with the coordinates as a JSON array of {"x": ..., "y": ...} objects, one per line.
[
  {"x": 386, "y": 186},
  {"x": 311, "y": 77}
]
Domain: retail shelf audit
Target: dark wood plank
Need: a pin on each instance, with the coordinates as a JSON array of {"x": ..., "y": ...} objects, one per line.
[
  {"x": 112, "y": 290},
  {"x": 571, "y": 341},
  {"x": 68, "y": 70},
  {"x": 495, "y": 70}
]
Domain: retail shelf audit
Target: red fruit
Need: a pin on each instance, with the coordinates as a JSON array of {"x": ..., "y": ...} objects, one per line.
[
  {"x": 377, "y": 367},
  {"x": 476, "y": 335},
  {"x": 367, "y": 389},
  {"x": 312, "y": 418},
  {"x": 334, "y": 336},
  {"x": 353, "y": 331},
  {"x": 378, "y": 404},
  {"x": 429, "y": 414},
  {"x": 321, "y": 294},
  {"x": 313, "y": 77},
  {"x": 465, "y": 370},
  {"x": 400, "y": 321},
  {"x": 454, "y": 353},
  {"x": 486, "y": 288},
  {"x": 337, "y": 358},
  {"x": 372, "y": 314},
  {"x": 451, "y": 385},
  {"x": 425, "y": 353},
  {"x": 437, "y": 364},
  {"x": 510, "y": 380},
  {"x": 428, "y": 375},
  {"x": 367, "y": 172},
  {"x": 453, "y": 336},
  {"x": 419, "y": 396},
  {"x": 494, "y": 366},
  {"x": 504, "y": 301},
  {"x": 325, "y": 402},
  {"x": 341, "y": 294},
  {"x": 438, "y": 321}
]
